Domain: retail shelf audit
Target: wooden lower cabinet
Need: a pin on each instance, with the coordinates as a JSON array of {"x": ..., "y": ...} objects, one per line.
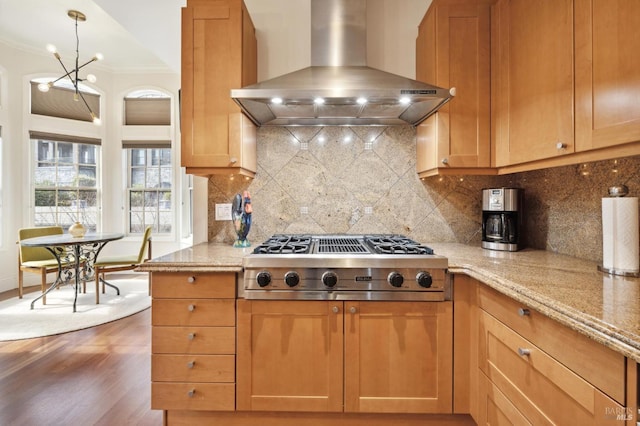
[
  {"x": 521, "y": 382},
  {"x": 330, "y": 356},
  {"x": 193, "y": 341},
  {"x": 289, "y": 356}
]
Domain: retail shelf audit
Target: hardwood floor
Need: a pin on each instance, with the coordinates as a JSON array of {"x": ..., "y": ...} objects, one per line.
[{"x": 97, "y": 376}]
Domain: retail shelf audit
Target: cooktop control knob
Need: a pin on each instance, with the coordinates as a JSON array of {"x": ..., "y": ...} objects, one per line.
[
  {"x": 292, "y": 278},
  {"x": 424, "y": 279},
  {"x": 263, "y": 278},
  {"x": 330, "y": 279},
  {"x": 395, "y": 279}
]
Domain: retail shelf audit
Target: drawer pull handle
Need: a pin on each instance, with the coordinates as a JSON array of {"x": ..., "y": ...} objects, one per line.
[
  {"x": 335, "y": 309},
  {"x": 191, "y": 336},
  {"x": 191, "y": 279},
  {"x": 191, "y": 393},
  {"x": 190, "y": 364},
  {"x": 524, "y": 312},
  {"x": 524, "y": 351},
  {"x": 192, "y": 308},
  {"x": 353, "y": 310}
]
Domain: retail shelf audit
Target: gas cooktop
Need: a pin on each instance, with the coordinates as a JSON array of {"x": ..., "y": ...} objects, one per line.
[
  {"x": 341, "y": 244},
  {"x": 354, "y": 267}
]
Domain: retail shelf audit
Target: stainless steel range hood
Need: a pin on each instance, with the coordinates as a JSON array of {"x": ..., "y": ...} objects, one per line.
[{"x": 338, "y": 88}]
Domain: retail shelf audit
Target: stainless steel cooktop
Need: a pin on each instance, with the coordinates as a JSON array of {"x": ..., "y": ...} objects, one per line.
[{"x": 348, "y": 267}]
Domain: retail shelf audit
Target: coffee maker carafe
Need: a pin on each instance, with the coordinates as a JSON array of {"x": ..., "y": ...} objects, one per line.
[{"x": 502, "y": 218}]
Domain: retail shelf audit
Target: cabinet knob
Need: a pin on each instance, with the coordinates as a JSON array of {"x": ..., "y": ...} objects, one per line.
[
  {"x": 190, "y": 364},
  {"x": 191, "y": 279},
  {"x": 191, "y": 336},
  {"x": 524, "y": 312},
  {"x": 191, "y": 393},
  {"x": 524, "y": 351},
  {"x": 233, "y": 160},
  {"x": 445, "y": 161},
  {"x": 191, "y": 308},
  {"x": 561, "y": 145},
  {"x": 335, "y": 309},
  {"x": 353, "y": 310}
]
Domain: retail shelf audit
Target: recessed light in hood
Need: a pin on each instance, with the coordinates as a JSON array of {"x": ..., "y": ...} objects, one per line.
[{"x": 339, "y": 89}]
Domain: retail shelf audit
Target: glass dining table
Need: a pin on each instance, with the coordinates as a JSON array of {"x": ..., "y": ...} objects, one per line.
[{"x": 77, "y": 254}]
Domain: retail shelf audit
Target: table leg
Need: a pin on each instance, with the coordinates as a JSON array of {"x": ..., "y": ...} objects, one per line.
[{"x": 76, "y": 250}]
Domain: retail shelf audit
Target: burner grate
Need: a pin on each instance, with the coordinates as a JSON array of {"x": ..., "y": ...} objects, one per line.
[
  {"x": 333, "y": 245},
  {"x": 285, "y": 244}
]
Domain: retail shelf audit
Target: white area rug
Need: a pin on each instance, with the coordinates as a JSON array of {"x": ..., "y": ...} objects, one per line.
[{"x": 18, "y": 321}]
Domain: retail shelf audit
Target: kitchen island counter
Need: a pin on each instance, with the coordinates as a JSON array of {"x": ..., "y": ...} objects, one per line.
[{"x": 569, "y": 290}]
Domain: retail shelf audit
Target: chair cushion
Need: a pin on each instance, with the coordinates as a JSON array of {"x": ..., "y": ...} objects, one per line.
[
  {"x": 117, "y": 260},
  {"x": 51, "y": 263}
]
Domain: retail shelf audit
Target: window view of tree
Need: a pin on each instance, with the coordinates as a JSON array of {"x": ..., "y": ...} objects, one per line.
[
  {"x": 65, "y": 184},
  {"x": 150, "y": 189}
]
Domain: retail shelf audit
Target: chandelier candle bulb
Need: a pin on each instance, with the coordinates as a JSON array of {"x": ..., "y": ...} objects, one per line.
[{"x": 620, "y": 234}]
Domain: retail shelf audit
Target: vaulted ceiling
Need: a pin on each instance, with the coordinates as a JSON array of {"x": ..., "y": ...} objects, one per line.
[{"x": 133, "y": 36}]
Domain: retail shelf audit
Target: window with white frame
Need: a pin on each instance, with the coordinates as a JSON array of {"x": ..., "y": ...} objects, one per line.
[
  {"x": 150, "y": 177},
  {"x": 150, "y": 170},
  {"x": 65, "y": 180}
]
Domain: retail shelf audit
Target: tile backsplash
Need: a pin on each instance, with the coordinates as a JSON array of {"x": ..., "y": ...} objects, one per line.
[{"x": 363, "y": 180}]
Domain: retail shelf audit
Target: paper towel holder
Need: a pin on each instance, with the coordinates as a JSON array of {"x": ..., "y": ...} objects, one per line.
[{"x": 618, "y": 191}]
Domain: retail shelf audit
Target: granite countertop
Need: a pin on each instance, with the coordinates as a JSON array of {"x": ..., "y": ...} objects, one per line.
[{"x": 570, "y": 290}]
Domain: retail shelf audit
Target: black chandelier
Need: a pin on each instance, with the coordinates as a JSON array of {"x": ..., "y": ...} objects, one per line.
[{"x": 73, "y": 75}]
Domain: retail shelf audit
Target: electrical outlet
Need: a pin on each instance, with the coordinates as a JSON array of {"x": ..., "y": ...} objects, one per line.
[{"x": 223, "y": 211}]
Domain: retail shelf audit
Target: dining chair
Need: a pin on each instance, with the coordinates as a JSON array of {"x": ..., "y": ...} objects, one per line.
[
  {"x": 37, "y": 260},
  {"x": 104, "y": 264}
]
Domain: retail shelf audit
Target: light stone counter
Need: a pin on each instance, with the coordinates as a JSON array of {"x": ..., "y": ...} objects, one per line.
[
  {"x": 567, "y": 289},
  {"x": 199, "y": 258}
]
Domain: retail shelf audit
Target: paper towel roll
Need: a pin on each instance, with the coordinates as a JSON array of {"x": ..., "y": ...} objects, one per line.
[{"x": 620, "y": 236}]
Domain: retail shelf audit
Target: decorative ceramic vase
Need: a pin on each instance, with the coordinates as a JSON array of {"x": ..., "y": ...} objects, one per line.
[
  {"x": 77, "y": 230},
  {"x": 241, "y": 216}
]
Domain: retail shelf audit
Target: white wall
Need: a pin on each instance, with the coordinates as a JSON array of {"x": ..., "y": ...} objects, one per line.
[{"x": 17, "y": 67}]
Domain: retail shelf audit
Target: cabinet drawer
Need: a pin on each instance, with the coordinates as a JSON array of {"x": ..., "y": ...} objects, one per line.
[
  {"x": 193, "y": 396},
  {"x": 495, "y": 408},
  {"x": 193, "y": 368},
  {"x": 193, "y": 340},
  {"x": 178, "y": 285},
  {"x": 540, "y": 387},
  {"x": 203, "y": 312},
  {"x": 603, "y": 367}
]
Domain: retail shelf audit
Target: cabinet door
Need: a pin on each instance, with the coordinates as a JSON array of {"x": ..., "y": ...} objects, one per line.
[
  {"x": 398, "y": 357},
  {"x": 219, "y": 52},
  {"x": 533, "y": 85},
  {"x": 607, "y": 73},
  {"x": 453, "y": 50},
  {"x": 290, "y": 356}
]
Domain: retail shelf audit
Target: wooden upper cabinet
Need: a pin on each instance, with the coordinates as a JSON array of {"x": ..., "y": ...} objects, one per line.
[
  {"x": 453, "y": 50},
  {"x": 219, "y": 53},
  {"x": 532, "y": 80},
  {"x": 607, "y": 73}
]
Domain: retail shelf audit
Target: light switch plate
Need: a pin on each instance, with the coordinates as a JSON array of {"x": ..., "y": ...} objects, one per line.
[{"x": 223, "y": 211}]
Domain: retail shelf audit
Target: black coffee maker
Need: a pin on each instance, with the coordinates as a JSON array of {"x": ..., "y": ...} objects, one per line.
[{"x": 502, "y": 218}]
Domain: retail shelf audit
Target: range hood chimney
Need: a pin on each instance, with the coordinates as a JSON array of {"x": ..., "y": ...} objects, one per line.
[{"x": 339, "y": 88}]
